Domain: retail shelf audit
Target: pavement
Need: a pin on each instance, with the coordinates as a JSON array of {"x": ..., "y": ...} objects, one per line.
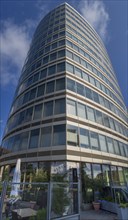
[{"x": 97, "y": 215}]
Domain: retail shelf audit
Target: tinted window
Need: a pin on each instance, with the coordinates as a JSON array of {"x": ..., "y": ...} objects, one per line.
[
  {"x": 40, "y": 90},
  {"x": 50, "y": 87},
  {"x": 34, "y": 138},
  {"x": 60, "y": 84},
  {"x": 52, "y": 70},
  {"x": 48, "y": 108},
  {"x": 46, "y": 134},
  {"x": 59, "y": 106},
  {"x": 59, "y": 135}
]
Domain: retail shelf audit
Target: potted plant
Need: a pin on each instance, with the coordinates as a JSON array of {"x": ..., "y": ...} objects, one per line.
[
  {"x": 122, "y": 211},
  {"x": 97, "y": 186}
]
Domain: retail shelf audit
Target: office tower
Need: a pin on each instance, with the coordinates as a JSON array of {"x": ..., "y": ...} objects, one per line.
[{"x": 68, "y": 112}]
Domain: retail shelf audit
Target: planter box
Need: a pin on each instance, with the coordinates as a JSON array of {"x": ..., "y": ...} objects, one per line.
[
  {"x": 122, "y": 213},
  {"x": 109, "y": 206}
]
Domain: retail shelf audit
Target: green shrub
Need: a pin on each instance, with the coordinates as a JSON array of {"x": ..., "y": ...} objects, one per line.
[
  {"x": 41, "y": 214},
  {"x": 123, "y": 205}
]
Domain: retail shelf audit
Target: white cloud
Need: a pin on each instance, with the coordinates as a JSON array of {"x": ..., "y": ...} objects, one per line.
[
  {"x": 95, "y": 13},
  {"x": 15, "y": 40},
  {"x": 15, "y": 43}
]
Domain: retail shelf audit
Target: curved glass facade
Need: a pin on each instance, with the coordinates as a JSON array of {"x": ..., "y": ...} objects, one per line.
[{"x": 67, "y": 105}]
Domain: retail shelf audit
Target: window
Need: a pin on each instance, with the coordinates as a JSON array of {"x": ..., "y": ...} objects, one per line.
[
  {"x": 81, "y": 51},
  {"x": 92, "y": 80},
  {"x": 32, "y": 94},
  {"x": 126, "y": 150},
  {"x": 110, "y": 145},
  {"x": 107, "y": 105},
  {"x": 50, "y": 87},
  {"x": 45, "y": 59},
  {"x": 106, "y": 174},
  {"x": 29, "y": 81},
  {"x": 94, "y": 141},
  {"x": 103, "y": 144},
  {"x": 88, "y": 93},
  {"x": 72, "y": 135},
  {"x": 49, "y": 39},
  {"x": 101, "y": 100},
  {"x": 40, "y": 90},
  {"x": 46, "y": 135},
  {"x": 55, "y": 36},
  {"x": 69, "y": 54},
  {"x": 10, "y": 143},
  {"x": 76, "y": 58},
  {"x": 89, "y": 66},
  {"x": 69, "y": 68},
  {"x": 80, "y": 89},
  {"x": 96, "y": 169},
  {"x": 35, "y": 77},
  {"x": 71, "y": 85},
  {"x": 54, "y": 45},
  {"x": 98, "y": 84},
  {"x": 43, "y": 74},
  {"x": 121, "y": 175},
  {"x": 33, "y": 68},
  {"x": 34, "y": 138},
  {"x": 52, "y": 70},
  {"x": 96, "y": 97},
  {"x": 61, "y": 42},
  {"x": 38, "y": 111},
  {"x": 62, "y": 33},
  {"x": 117, "y": 126},
  {"x": 85, "y": 76},
  {"x": 68, "y": 43},
  {"x": 122, "y": 151},
  {"x": 61, "y": 53},
  {"x": 47, "y": 49},
  {"x": 28, "y": 115},
  {"x": 24, "y": 140},
  {"x": 53, "y": 56},
  {"x": 26, "y": 97},
  {"x": 84, "y": 138},
  {"x": 21, "y": 117},
  {"x": 56, "y": 29},
  {"x": 61, "y": 67},
  {"x": 60, "y": 84},
  {"x": 103, "y": 88},
  {"x": 114, "y": 174},
  {"x": 99, "y": 118},
  {"x": 75, "y": 47},
  {"x": 16, "y": 143},
  {"x": 116, "y": 147},
  {"x": 71, "y": 107},
  {"x": 59, "y": 106},
  {"x": 78, "y": 72},
  {"x": 83, "y": 63},
  {"x": 112, "y": 124},
  {"x": 81, "y": 110},
  {"x": 90, "y": 114},
  {"x": 106, "y": 121},
  {"x": 48, "y": 109},
  {"x": 59, "y": 135},
  {"x": 38, "y": 64}
]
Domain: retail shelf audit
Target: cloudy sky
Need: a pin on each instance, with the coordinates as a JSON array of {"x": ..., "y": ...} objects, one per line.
[{"x": 19, "y": 19}]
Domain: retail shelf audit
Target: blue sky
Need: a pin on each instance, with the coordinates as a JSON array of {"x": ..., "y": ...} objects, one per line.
[{"x": 19, "y": 19}]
